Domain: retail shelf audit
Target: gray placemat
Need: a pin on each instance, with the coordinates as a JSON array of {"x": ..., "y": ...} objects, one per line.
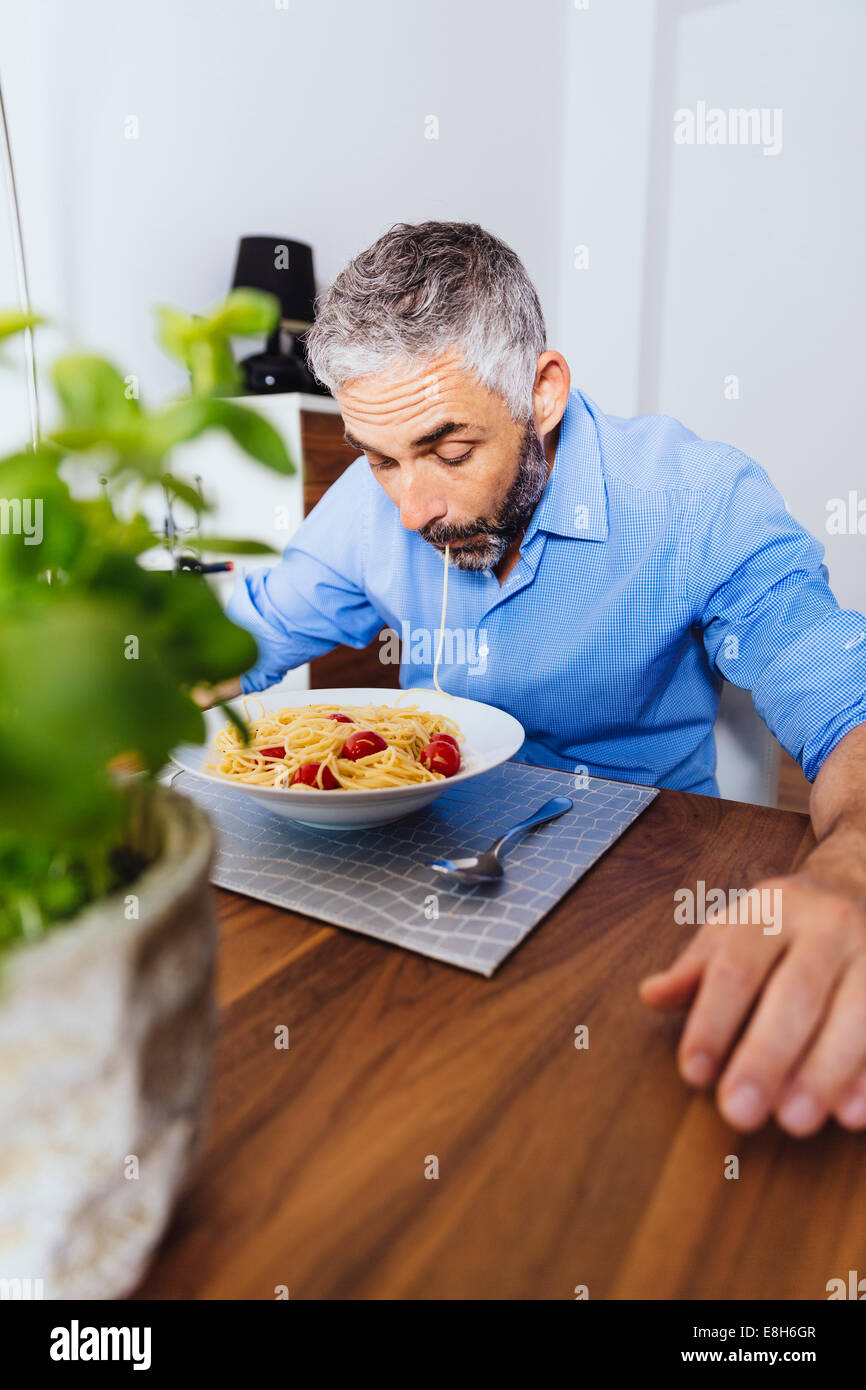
[{"x": 376, "y": 881}]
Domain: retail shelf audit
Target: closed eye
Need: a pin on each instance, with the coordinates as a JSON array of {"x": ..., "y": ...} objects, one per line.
[
  {"x": 384, "y": 464},
  {"x": 462, "y": 458}
]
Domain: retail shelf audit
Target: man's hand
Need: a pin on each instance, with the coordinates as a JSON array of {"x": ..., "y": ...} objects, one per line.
[
  {"x": 207, "y": 695},
  {"x": 802, "y": 1056}
]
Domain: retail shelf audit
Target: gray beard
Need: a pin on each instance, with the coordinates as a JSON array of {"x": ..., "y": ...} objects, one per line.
[{"x": 493, "y": 536}]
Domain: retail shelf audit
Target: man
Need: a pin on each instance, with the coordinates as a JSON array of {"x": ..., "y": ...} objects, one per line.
[{"x": 613, "y": 572}]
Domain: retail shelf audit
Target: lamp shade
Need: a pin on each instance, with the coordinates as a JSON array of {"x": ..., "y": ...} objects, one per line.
[{"x": 283, "y": 268}]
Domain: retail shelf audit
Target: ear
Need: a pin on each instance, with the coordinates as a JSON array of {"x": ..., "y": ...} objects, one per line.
[{"x": 550, "y": 392}]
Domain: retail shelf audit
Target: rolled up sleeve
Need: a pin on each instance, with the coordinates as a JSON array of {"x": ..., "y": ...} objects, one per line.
[
  {"x": 760, "y": 594},
  {"x": 314, "y": 598}
]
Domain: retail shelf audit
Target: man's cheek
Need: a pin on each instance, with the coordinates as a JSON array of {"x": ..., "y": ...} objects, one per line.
[{"x": 388, "y": 485}]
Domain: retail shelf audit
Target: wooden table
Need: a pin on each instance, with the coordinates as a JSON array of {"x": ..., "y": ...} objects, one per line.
[{"x": 557, "y": 1167}]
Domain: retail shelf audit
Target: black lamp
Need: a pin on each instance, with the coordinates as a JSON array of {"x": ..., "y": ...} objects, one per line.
[{"x": 283, "y": 268}]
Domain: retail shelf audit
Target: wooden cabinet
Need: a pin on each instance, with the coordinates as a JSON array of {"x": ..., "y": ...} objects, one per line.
[{"x": 325, "y": 454}]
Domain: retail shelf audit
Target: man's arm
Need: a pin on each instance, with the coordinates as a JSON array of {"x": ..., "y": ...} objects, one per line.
[
  {"x": 315, "y": 598},
  {"x": 777, "y": 1014},
  {"x": 837, "y": 804}
]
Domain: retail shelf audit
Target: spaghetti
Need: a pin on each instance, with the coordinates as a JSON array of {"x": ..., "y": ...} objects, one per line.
[
  {"x": 334, "y": 740},
  {"x": 447, "y": 693},
  {"x": 442, "y": 625}
]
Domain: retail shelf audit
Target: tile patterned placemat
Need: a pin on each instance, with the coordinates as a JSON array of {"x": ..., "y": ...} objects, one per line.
[{"x": 376, "y": 880}]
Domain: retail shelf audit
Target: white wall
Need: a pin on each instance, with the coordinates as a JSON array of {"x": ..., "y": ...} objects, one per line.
[
  {"x": 607, "y": 75},
  {"x": 765, "y": 272},
  {"x": 306, "y": 122},
  {"x": 711, "y": 261}
]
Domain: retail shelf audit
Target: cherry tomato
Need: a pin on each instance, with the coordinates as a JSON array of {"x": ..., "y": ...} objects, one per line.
[
  {"x": 307, "y": 773},
  {"x": 446, "y": 738},
  {"x": 362, "y": 743},
  {"x": 440, "y": 756},
  {"x": 341, "y": 718},
  {"x": 273, "y": 752}
]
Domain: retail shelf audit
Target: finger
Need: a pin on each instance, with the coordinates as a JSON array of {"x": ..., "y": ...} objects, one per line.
[
  {"x": 730, "y": 984},
  {"x": 834, "y": 1062},
  {"x": 792, "y": 1007},
  {"x": 851, "y": 1110},
  {"x": 206, "y": 696},
  {"x": 673, "y": 987}
]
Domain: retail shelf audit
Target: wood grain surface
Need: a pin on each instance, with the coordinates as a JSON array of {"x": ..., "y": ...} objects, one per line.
[
  {"x": 558, "y": 1167},
  {"x": 326, "y": 455}
]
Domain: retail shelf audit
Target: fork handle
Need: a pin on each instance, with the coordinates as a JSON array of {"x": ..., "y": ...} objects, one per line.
[{"x": 557, "y": 806}]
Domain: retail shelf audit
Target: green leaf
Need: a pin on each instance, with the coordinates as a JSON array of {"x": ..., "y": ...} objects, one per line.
[
  {"x": 212, "y": 367},
  {"x": 234, "y": 718},
  {"x": 231, "y": 545},
  {"x": 244, "y": 312},
  {"x": 175, "y": 424},
  {"x": 93, "y": 392},
  {"x": 108, "y": 532},
  {"x": 255, "y": 435},
  {"x": 204, "y": 351},
  {"x": 187, "y": 419},
  {"x": 45, "y": 453},
  {"x": 173, "y": 330},
  {"x": 88, "y": 676},
  {"x": 15, "y": 321},
  {"x": 199, "y": 643},
  {"x": 124, "y": 441},
  {"x": 41, "y": 527},
  {"x": 84, "y": 702},
  {"x": 185, "y": 492},
  {"x": 202, "y": 342}
]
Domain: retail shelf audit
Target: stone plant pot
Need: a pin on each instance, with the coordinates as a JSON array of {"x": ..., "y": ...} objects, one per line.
[{"x": 106, "y": 1032}]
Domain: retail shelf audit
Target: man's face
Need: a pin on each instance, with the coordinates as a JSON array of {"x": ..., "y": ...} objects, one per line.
[{"x": 449, "y": 456}]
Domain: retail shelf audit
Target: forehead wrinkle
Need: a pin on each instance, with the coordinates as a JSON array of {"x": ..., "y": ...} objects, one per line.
[
  {"x": 402, "y": 394},
  {"x": 435, "y": 421}
]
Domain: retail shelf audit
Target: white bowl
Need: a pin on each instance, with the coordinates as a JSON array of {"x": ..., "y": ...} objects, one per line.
[{"x": 491, "y": 737}]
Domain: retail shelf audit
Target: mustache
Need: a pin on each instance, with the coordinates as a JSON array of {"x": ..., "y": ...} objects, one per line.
[{"x": 438, "y": 534}]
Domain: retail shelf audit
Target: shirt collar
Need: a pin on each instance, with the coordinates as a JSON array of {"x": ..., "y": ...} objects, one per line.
[{"x": 574, "y": 501}]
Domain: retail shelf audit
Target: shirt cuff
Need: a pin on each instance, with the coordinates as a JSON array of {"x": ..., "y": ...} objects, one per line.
[{"x": 816, "y": 692}]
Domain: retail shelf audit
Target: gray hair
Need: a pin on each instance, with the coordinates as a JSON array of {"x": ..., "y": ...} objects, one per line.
[{"x": 420, "y": 290}]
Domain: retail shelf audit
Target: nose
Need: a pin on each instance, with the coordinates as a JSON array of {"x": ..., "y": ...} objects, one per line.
[{"x": 420, "y": 505}]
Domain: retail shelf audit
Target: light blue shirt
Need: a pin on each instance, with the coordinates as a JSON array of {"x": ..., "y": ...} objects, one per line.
[{"x": 655, "y": 565}]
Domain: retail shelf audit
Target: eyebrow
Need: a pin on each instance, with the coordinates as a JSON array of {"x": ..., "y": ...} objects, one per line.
[{"x": 449, "y": 427}]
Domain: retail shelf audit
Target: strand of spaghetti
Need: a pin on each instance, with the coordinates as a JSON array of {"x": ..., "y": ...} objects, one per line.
[
  {"x": 245, "y": 700},
  {"x": 442, "y": 625},
  {"x": 446, "y": 693}
]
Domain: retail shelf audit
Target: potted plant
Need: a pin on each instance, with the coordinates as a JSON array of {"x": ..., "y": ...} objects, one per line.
[{"x": 107, "y": 933}]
